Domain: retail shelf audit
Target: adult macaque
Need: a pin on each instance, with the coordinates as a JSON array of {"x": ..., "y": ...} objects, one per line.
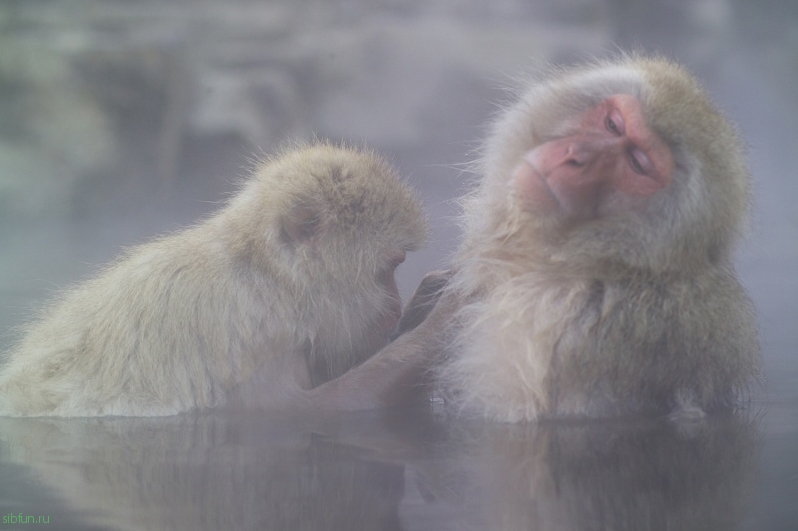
[
  {"x": 288, "y": 286},
  {"x": 595, "y": 277}
]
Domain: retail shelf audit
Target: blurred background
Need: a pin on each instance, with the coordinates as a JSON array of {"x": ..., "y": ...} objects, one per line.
[{"x": 120, "y": 121}]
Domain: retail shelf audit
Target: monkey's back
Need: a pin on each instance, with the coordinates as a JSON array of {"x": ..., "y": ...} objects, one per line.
[{"x": 144, "y": 337}]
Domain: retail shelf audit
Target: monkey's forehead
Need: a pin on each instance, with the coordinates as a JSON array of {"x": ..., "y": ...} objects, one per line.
[
  {"x": 602, "y": 82},
  {"x": 652, "y": 80}
]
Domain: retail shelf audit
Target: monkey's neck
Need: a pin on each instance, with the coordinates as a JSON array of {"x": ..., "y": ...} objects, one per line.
[{"x": 482, "y": 268}]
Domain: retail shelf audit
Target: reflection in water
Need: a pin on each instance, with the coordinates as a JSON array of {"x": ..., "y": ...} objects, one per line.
[
  {"x": 635, "y": 475},
  {"x": 251, "y": 472},
  {"x": 205, "y": 472}
]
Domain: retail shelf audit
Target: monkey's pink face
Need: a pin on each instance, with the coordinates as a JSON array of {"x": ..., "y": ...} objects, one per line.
[{"x": 613, "y": 160}]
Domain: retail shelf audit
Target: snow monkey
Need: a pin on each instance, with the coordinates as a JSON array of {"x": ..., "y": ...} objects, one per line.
[
  {"x": 595, "y": 277},
  {"x": 286, "y": 287}
]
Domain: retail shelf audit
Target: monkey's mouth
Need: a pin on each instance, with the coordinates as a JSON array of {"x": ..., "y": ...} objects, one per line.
[{"x": 532, "y": 188}]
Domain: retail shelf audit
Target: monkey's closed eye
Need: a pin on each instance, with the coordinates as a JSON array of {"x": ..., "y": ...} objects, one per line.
[{"x": 610, "y": 124}]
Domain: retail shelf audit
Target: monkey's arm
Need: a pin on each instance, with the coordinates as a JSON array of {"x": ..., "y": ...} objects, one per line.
[{"x": 395, "y": 375}]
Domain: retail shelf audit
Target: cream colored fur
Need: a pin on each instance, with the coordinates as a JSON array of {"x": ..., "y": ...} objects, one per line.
[{"x": 239, "y": 307}]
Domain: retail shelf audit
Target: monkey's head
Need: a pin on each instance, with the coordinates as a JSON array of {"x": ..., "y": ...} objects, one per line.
[
  {"x": 330, "y": 225},
  {"x": 625, "y": 162}
]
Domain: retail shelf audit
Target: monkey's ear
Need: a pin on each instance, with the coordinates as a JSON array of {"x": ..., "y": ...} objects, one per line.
[{"x": 301, "y": 224}]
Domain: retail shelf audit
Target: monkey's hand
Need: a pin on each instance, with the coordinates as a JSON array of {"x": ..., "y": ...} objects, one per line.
[
  {"x": 399, "y": 374},
  {"x": 423, "y": 301}
]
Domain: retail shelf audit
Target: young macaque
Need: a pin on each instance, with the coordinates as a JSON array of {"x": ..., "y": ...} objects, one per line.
[
  {"x": 288, "y": 286},
  {"x": 596, "y": 273}
]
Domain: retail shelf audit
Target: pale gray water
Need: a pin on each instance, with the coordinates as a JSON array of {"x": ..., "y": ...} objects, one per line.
[{"x": 119, "y": 122}]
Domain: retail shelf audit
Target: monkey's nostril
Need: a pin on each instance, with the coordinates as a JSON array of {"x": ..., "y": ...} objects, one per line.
[{"x": 576, "y": 155}]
